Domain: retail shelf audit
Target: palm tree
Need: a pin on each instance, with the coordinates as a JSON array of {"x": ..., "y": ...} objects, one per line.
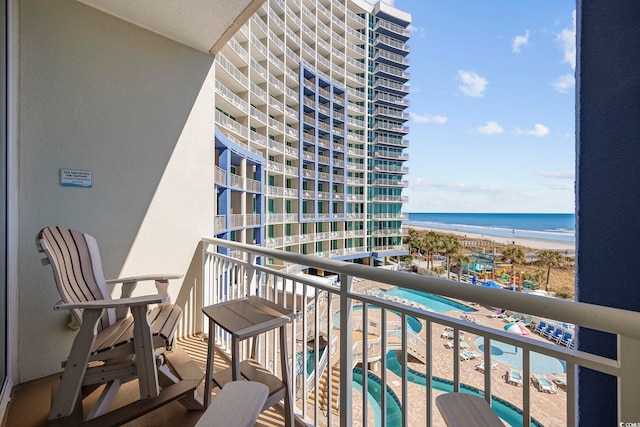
[
  {"x": 413, "y": 240},
  {"x": 460, "y": 259},
  {"x": 513, "y": 255},
  {"x": 550, "y": 259},
  {"x": 449, "y": 245},
  {"x": 430, "y": 244}
]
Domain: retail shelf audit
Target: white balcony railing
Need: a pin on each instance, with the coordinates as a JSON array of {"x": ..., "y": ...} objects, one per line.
[{"x": 334, "y": 307}]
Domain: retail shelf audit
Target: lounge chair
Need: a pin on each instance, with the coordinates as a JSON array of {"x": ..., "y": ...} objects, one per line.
[
  {"x": 548, "y": 332},
  {"x": 543, "y": 384},
  {"x": 463, "y": 345},
  {"x": 565, "y": 338},
  {"x": 448, "y": 334},
  {"x": 469, "y": 355},
  {"x": 498, "y": 314},
  {"x": 480, "y": 366},
  {"x": 540, "y": 327},
  {"x": 513, "y": 319},
  {"x": 561, "y": 382},
  {"x": 513, "y": 376},
  {"x": 557, "y": 334},
  {"x": 527, "y": 322},
  {"x": 112, "y": 347}
]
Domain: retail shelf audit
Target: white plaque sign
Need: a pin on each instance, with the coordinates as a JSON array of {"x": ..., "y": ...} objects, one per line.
[{"x": 75, "y": 178}]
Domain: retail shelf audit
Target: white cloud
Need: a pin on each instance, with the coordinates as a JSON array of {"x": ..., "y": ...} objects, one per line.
[
  {"x": 490, "y": 128},
  {"x": 520, "y": 41},
  {"x": 567, "y": 40},
  {"x": 427, "y": 118},
  {"x": 421, "y": 184},
  {"x": 564, "y": 83},
  {"x": 472, "y": 84},
  {"x": 538, "y": 130},
  {"x": 558, "y": 174},
  {"x": 416, "y": 31},
  {"x": 560, "y": 185}
]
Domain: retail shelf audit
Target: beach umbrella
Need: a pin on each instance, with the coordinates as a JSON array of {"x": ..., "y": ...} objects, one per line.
[{"x": 516, "y": 328}]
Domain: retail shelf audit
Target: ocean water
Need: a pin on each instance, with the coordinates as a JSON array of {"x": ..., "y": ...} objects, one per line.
[{"x": 554, "y": 227}]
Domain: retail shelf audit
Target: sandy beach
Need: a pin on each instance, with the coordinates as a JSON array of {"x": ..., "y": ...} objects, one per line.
[{"x": 520, "y": 241}]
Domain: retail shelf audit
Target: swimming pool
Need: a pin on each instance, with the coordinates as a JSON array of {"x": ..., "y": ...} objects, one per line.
[
  {"x": 511, "y": 355},
  {"x": 436, "y": 303},
  {"x": 394, "y": 407},
  {"x": 505, "y": 410},
  {"x": 413, "y": 322}
]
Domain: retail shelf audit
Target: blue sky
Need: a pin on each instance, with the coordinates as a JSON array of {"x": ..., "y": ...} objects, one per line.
[{"x": 492, "y": 106}]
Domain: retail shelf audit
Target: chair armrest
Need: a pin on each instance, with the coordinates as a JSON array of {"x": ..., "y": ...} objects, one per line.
[
  {"x": 130, "y": 283},
  {"x": 115, "y": 303},
  {"x": 155, "y": 277}
]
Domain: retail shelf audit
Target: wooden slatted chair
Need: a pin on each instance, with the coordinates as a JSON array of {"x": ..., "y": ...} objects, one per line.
[{"x": 112, "y": 347}]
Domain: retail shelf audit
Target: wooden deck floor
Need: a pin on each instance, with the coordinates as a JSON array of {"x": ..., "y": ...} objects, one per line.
[{"x": 30, "y": 402}]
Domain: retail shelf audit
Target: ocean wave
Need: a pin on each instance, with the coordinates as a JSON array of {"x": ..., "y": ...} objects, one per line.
[{"x": 555, "y": 234}]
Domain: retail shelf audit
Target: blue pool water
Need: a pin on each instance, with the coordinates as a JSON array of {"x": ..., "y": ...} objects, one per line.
[
  {"x": 512, "y": 356},
  {"x": 394, "y": 408},
  {"x": 414, "y": 323},
  {"x": 436, "y": 303},
  {"x": 311, "y": 361},
  {"x": 505, "y": 410}
]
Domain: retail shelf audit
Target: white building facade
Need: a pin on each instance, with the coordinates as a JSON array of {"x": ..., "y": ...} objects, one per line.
[{"x": 310, "y": 129}]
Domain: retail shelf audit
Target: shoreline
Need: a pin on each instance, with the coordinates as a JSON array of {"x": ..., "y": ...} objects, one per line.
[{"x": 528, "y": 242}]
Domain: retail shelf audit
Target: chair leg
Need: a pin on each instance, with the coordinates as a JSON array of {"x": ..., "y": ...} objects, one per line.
[
  {"x": 68, "y": 394},
  {"x": 145, "y": 357},
  {"x": 106, "y": 398},
  {"x": 178, "y": 367},
  {"x": 284, "y": 366}
]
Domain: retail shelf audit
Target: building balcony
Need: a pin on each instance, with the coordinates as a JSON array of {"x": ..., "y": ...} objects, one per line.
[
  {"x": 394, "y": 45},
  {"x": 393, "y": 59},
  {"x": 385, "y": 182},
  {"x": 390, "y": 100},
  {"x": 383, "y": 70},
  {"x": 388, "y": 216},
  {"x": 391, "y": 169},
  {"x": 390, "y": 127},
  {"x": 394, "y": 142},
  {"x": 219, "y": 223},
  {"x": 390, "y": 113},
  {"x": 391, "y": 29},
  {"x": 390, "y": 199},
  {"x": 390, "y": 154},
  {"x": 373, "y": 331}
]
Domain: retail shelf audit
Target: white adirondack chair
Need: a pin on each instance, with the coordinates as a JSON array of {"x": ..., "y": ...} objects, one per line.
[{"x": 112, "y": 347}]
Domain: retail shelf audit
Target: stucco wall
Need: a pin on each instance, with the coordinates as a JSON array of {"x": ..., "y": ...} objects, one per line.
[{"x": 134, "y": 108}]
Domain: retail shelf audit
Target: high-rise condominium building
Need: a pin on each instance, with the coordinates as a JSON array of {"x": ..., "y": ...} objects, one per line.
[{"x": 310, "y": 129}]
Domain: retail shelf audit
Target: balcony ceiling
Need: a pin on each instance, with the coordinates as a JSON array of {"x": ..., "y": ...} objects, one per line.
[{"x": 205, "y": 25}]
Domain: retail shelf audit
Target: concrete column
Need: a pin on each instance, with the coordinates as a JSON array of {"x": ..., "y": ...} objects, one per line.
[{"x": 607, "y": 177}]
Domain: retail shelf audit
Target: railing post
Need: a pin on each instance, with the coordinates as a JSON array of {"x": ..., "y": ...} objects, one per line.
[
  {"x": 346, "y": 354},
  {"x": 251, "y": 276},
  {"x": 628, "y": 380}
]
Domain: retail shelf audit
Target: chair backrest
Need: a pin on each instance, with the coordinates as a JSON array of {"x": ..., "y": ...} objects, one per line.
[{"x": 77, "y": 269}]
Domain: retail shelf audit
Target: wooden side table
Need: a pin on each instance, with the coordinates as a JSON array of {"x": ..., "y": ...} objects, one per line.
[{"x": 247, "y": 318}]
